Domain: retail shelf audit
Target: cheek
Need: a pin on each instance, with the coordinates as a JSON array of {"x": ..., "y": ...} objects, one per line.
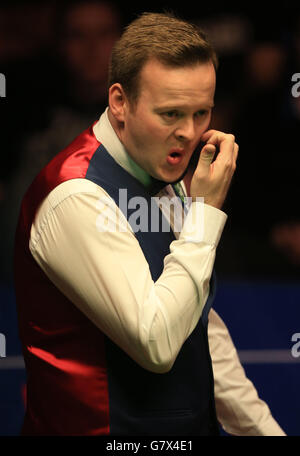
[
  {"x": 149, "y": 130},
  {"x": 203, "y": 128},
  {"x": 156, "y": 134},
  {"x": 157, "y": 131}
]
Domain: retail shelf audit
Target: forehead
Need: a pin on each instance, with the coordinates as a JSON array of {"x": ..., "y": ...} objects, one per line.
[{"x": 162, "y": 83}]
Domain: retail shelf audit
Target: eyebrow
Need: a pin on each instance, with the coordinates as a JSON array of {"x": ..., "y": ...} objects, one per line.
[{"x": 179, "y": 106}]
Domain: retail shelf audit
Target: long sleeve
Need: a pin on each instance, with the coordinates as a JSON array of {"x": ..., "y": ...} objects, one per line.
[
  {"x": 239, "y": 409},
  {"x": 105, "y": 274}
]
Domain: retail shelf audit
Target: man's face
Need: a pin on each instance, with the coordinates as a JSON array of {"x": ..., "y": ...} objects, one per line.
[
  {"x": 91, "y": 31},
  {"x": 171, "y": 114}
]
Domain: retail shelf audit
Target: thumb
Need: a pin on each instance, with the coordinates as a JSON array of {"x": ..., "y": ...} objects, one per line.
[{"x": 207, "y": 154}]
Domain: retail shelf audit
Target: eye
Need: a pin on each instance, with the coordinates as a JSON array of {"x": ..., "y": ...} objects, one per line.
[
  {"x": 170, "y": 114},
  {"x": 201, "y": 113}
]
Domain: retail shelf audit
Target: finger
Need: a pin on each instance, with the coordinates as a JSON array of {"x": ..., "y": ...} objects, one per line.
[
  {"x": 227, "y": 150},
  {"x": 206, "y": 155},
  {"x": 215, "y": 137},
  {"x": 205, "y": 137},
  {"x": 236, "y": 152}
]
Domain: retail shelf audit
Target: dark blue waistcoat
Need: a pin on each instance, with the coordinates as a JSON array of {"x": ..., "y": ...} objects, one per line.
[{"x": 181, "y": 401}]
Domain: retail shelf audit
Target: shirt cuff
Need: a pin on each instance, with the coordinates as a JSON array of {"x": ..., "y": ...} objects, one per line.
[
  {"x": 203, "y": 223},
  {"x": 270, "y": 429}
]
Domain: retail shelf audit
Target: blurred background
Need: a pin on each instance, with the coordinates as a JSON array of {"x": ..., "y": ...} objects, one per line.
[{"x": 54, "y": 58}]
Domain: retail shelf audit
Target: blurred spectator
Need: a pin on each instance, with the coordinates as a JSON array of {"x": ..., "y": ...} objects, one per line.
[{"x": 86, "y": 32}]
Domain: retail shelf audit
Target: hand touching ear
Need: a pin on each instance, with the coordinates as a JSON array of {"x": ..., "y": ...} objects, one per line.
[{"x": 212, "y": 179}]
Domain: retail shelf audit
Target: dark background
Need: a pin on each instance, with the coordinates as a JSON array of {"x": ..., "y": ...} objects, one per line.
[{"x": 259, "y": 255}]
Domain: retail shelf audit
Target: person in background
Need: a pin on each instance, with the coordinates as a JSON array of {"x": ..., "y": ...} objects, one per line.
[{"x": 85, "y": 32}]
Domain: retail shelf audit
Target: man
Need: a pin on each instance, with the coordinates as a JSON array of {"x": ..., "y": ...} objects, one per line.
[{"x": 113, "y": 309}]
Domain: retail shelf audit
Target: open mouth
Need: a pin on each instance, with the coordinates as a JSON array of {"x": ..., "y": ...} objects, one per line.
[
  {"x": 175, "y": 154},
  {"x": 175, "y": 157}
]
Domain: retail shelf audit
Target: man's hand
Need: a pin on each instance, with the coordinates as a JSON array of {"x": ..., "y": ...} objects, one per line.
[{"x": 212, "y": 180}]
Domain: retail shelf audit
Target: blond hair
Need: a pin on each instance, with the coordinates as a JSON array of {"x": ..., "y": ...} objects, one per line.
[{"x": 161, "y": 36}]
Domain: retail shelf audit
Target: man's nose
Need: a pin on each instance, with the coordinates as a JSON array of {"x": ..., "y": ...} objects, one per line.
[{"x": 186, "y": 130}]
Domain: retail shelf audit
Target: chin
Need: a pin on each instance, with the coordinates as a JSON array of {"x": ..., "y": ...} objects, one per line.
[{"x": 172, "y": 178}]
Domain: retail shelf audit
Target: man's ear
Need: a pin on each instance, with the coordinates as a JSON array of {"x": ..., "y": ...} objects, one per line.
[{"x": 117, "y": 101}]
